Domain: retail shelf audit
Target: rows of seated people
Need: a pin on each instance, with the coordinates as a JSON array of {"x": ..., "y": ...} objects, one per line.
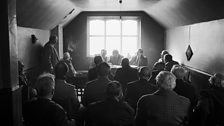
[{"x": 131, "y": 97}]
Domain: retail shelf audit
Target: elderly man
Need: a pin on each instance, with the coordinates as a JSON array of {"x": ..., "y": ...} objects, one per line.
[
  {"x": 95, "y": 89},
  {"x": 112, "y": 111},
  {"x": 43, "y": 111},
  {"x": 140, "y": 87},
  {"x": 139, "y": 59},
  {"x": 164, "y": 107}
]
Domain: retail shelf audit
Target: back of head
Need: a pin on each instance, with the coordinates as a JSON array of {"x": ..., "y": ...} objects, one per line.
[
  {"x": 61, "y": 70},
  {"x": 53, "y": 39},
  {"x": 66, "y": 56},
  {"x": 168, "y": 58},
  {"x": 164, "y": 52},
  {"x": 178, "y": 71},
  {"x": 125, "y": 62},
  {"x": 144, "y": 72},
  {"x": 45, "y": 85},
  {"x": 159, "y": 66},
  {"x": 114, "y": 89},
  {"x": 103, "y": 69},
  {"x": 98, "y": 60},
  {"x": 166, "y": 80},
  {"x": 217, "y": 80}
]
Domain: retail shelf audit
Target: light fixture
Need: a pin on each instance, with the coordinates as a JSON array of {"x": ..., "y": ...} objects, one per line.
[
  {"x": 120, "y": 2},
  {"x": 33, "y": 38}
]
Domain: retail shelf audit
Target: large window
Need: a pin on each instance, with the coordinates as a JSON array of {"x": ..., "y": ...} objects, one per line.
[{"x": 110, "y": 33}]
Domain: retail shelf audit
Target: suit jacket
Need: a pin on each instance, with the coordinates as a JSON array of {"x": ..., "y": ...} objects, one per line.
[
  {"x": 116, "y": 60},
  {"x": 92, "y": 74},
  {"x": 125, "y": 75},
  {"x": 109, "y": 113},
  {"x": 95, "y": 90},
  {"x": 49, "y": 58},
  {"x": 44, "y": 112},
  {"x": 152, "y": 79},
  {"x": 169, "y": 65},
  {"x": 137, "y": 89},
  {"x": 187, "y": 90},
  {"x": 139, "y": 61},
  {"x": 65, "y": 94},
  {"x": 162, "y": 108}
]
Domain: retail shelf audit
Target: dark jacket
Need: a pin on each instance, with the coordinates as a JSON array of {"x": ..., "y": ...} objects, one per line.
[
  {"x": 137, "y": 89},
  {"x": 125, "y": 75},
  {"x": 44, "y": 112},
  {"x": 162, "y": 108},
  {"x": 109, "y": 113}
]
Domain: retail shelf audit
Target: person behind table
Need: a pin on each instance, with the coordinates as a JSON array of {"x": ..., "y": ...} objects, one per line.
[{"x": 116, "y": 58}]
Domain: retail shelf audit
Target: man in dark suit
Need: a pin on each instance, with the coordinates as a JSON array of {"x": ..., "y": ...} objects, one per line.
[
  {"x": 157, "y": 67},
  {"x": 126, "y": 74},
  {"x": 43, "y": 111},
  {"x": 183, "y": 88},
  {"x": 95, "y": 89},
  {"x": 164, "y": 107},
  {"x": 65, "y": 93},
  {"x": 169, "y": 62},
  {"x": 110, "y": 112},
  {"x": 92, "y": 74},
  {"x": 49, "y": 56},
  {"x": 138, "y": 88}
]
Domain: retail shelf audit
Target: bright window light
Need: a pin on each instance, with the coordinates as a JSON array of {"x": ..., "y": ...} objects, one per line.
[{"x": 112, "y": 33}]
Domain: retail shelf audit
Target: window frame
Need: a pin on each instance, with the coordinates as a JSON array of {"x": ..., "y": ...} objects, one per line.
[{"x": 104, "y": 18}]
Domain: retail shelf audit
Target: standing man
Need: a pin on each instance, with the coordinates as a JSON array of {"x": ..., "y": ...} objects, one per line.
[{"x": 49, "y": 56}]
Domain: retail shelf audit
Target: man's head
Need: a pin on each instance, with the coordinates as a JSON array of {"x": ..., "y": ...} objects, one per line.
[
  {"x": 178, "y": 71},
  {"x": 114, "y": 89},
  {"x": 115, "y": 53},
  {"x": 164, "y": 52},
  {"x": 66, "y": 56},
  {"x": 168, "y": 58},
  {"x": 140, "y": 52},
  {"x": 217, "y": 80},
  {"x": 103, "y": 69},
  {"x": 98, "y": 60},
  {"x": 61, "y": 70},
  {"x": 166, "y": 80},
  {"x": 125, "y": 62},
  {"x": 159, "y": 66},
  {"x": 45, "y": 85},
  {"x": 103, "y": 52},
  {"x": 144, "y": 72},
  {"x": 53, "y": 39}
]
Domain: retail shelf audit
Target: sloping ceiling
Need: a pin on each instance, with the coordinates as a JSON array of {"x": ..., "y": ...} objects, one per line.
[{"x": 46, "y": 14}]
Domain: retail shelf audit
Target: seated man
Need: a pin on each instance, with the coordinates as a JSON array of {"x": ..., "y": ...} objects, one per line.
[
  {"x": 103, "y": 54},
  {"x": 210, "y": 108},
  {"x": 157, "y": 67},
  {"x": 183, "y": 88},
  {"x": 163, "y": 53},
  {"x": 169, "y": 62},
  {"x": 70, "y": 75},
  {"x": 65, "y": 93},
  {"x": 116, "y": 58},
  {"x": 139, "y": 59},
  {"x": 43, "y": 111},
  {"x": 110, "y": 112},
  {"x": 95, "y": 89},
  {"x": 138, "y": 88},
  {"x": 92, "y": 73},
  {"x": 164, "y": 107},
  {"x": 126, "y": 74}
]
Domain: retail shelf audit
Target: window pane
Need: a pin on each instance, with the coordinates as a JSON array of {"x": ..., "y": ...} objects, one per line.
[
  {"x": 129, "y": 46},
  {"x": 129, "y": 27},
  {"x": 113, "y": 27},
  {"x": 96, "y": 44},
  {"x": 96, "y": 27},
  {"x": 112, "y": 43}
]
